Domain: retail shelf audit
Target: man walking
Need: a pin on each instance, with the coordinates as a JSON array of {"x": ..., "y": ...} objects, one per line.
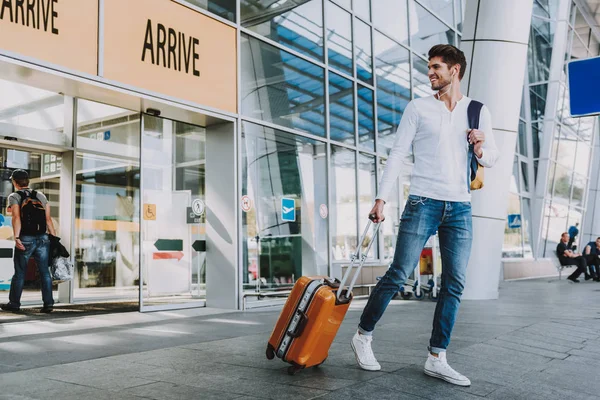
[
  {"x": 437, "y": 129},
  {"x": 31, "y": 221}
]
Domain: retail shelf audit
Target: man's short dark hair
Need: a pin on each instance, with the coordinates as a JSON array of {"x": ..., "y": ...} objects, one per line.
[
  {"x": 22, "y": 182},
  {"x": 450, "y": 55}
]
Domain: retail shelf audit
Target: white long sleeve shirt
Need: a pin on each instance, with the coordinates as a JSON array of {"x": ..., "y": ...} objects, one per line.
[{"x": 438, "y": 140}]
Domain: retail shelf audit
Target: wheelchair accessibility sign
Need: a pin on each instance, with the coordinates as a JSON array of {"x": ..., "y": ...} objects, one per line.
[
  {"x": 514, "y": 221},
  {"x": 288, "y": 209}
]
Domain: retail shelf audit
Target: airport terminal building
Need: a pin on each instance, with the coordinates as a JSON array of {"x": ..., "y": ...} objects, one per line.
[{"x": 210, "y": 152}]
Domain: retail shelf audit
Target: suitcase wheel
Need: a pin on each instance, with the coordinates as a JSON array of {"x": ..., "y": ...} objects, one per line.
[
  {"x": 270, "y": 353},
  {"x": 292, "y": 370}
]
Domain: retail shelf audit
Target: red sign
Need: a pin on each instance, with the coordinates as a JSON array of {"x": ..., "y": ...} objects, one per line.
[{"x": 168, "y": 255}]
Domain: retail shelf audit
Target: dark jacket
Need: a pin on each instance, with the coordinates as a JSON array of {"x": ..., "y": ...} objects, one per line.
[{"x": 56, "y": 248}]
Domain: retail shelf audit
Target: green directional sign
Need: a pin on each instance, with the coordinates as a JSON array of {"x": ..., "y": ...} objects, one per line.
[{"x": 169, "y": 245}]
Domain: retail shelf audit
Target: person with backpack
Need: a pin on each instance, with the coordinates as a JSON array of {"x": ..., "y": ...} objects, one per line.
[
  {"x": 31, "y": 224},
  {"x": 451, "y": 140}
]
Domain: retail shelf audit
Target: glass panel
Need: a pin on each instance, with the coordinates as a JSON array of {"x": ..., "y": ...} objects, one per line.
[
  {"x": 578, "y": 48},
  {"x": 525, "y": 176},
  {"x": 107, "y": 218},
  {"x": 173, "y": 170},
  {"x": 538, "y": 101},
  {"x": 366, "y": 123},
  {"x": 366, "y": 196},
  {"x": 535, "y": 171},
  {"x": 442, "y": 8},
  {"x": 562, "y": 183},
  {"x": 566, "y": 149},
  {"x": 223, "y": 8},
  {"x": 362, "y": 8},
  {"x": 299, "y": 27},
  {"x": 43, "y": 179},
  {"x": 281, "y": 88},
  {"x": 514, "y": 181},
  {"x": 545, "y": 8},
  {"x": 107, "y": 129},
  {"x": 364, "y": 53},
  {"x": 460, "y": 16},
  {"x": 391, "y": 16},
  {"x": 583, "y": 158},
  {"x": 522, "y": 138},
  {"x": 579, "y": 184},
  {"x": 555, "y": 142},
  {"x": 574, "y": 220},
  {"x": 557, "y": 224},
  {"x": 344, "y": 3},
  {"x": 586, "y": 128},
  {"x": 343, "y": 203},
  {"x": 421, "y": 84},
  {"x": 537, "y": 129},
  {"x": 540, "y": 49},
  {"x": 393, "y": 88},
  {"x": 512, "y": 246},
  {"x": 526, "y": 227},
  {"x": 551, "y": 171},
  {"x": 278, "y": 164},
  {"x": 32, "y": 114},
  {"x": 341, "y": 105},
  {"x": 389, "y": 228},
  {"x": 339, "y": 38},
  {"x": 427, "y": 30}
]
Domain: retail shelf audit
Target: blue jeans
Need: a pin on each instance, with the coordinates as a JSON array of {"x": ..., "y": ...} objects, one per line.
[
  {"x": 422, "y": 217},
  {"x": 39, "y": 248}
]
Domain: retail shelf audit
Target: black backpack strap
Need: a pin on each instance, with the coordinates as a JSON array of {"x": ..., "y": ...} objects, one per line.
[
  {"x": 473, "y": 114},
  {"x": 23, "y": 194},
  {"x": 34, "y": 195}
]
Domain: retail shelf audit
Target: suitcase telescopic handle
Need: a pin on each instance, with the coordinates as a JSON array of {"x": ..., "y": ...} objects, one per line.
[{"x": 359, "y": 256}]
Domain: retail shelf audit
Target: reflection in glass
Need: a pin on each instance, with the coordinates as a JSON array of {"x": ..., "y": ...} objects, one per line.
[
  {"x": 556, "y": 225},
  {"x": 40, "y": 111},
  {"x": 526, "y": 227},
  {"x": 538, "y": 101},
  {"x": 393, "y": 88},
  {"x": 427, "y": 30},
  {"x": 579, "y": 184},
  {"x": 537, "y": 129},
  {"x": 277, "y": 164},
  {"x": 299, "y": 27},
  {"x": 366, "y": 196},
  {"x": 362, "y": 8},
  {"x": 566, "y": 149},
  {"x": 586, "y": 128},
  {"x": 442, "y": 8},
  {"x": 545, "y": 8},
  {"x": 421, "y": 83},
  {"x": 391, "y": 16},
  {"x": 582, "y": 158},
  {"x": 550, "y": 181},
  {"x": 280, "y": 88},
  {"x": 512, "y": 246},
  {"x": 525, "y": 176},
  {"x": 341, "y": 107},
  {"x": 562, "y": 183},
  {"x": 540, "y": 49},
  {"x": 522, "y": 138},
  {"x": 366, "y": 123},
  {"x": 343, "y": 203},
  {"x": 223, "y": 8},
  {"x": 364, "y": 53},
  {"x": 514, "y": 181},
  {"x": 339, "y": 38}
]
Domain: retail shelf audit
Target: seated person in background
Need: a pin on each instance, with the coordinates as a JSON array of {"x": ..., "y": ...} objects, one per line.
[
  {"x": 567, "y": 257},
  {"x": 592, "y": 257}
]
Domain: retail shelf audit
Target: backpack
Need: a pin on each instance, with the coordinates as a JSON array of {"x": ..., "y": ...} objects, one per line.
[
  {"x": 33, "y": 214},
  {"x": 474, "y": 169}
]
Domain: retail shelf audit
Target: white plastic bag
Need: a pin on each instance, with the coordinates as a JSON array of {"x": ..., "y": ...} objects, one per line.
[{"x": 62, "y": 269}]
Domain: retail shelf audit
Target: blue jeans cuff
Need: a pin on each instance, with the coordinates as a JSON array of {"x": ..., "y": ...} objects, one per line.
[
  {"x": 436, "y": 350},
  {"x": 363, "y": 332}
]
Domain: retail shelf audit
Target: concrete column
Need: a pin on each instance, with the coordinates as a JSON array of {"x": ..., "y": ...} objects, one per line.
[
  {"x": 221, "y": 218},
  {"x": 591, "y": 224},
  {"x": 495, "y": 39}
]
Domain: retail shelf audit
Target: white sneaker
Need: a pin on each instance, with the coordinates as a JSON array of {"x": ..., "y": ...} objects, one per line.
[
  {"x": 438, "y": 368},
  {"x": 361, "y": 344}
]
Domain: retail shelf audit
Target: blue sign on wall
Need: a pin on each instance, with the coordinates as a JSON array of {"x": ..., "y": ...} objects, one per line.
[
  {"x": 584, "y": 86},
  {"x": 514, "y": 221},
  {"x": 288, "y": 209}
]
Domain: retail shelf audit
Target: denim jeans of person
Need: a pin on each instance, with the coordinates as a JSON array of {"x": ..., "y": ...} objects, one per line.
[
  {"x": 39, "y": 248},
  {"x": 421, "y": 218}
]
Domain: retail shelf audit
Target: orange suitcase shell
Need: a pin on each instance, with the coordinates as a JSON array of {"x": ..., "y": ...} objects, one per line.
[{"x": 312, "y": 316}]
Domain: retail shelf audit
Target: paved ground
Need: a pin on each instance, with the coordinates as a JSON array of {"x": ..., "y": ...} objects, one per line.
[{"x": 541, "y": 340}]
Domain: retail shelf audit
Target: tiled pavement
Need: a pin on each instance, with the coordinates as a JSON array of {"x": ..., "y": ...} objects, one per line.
[{"x": 541, "y": 340}]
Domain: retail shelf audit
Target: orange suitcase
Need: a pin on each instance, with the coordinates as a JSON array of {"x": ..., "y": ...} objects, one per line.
[{"x": 312, "y": 316}]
